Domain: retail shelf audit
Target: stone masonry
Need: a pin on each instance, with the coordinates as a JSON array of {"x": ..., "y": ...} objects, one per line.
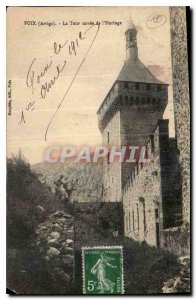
[
  {"x": 155, "y": 195},
  {"x": 151, "y": 197},
  {"x": 181, "y": 99}
]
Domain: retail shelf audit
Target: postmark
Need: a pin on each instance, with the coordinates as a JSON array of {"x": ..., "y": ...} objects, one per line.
[
  {"x": 103, "y": 270},
  {"x": 155, "y": 20}
]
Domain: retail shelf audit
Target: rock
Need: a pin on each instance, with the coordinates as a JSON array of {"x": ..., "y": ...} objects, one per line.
[
  {"x": 67, "y": 250},
  {"x": 184, "y": 260},
  {"x": 64, "y": 276},
  {"x": 43, "y": 227},
  {"x": 178, "y": 284},
  {"x": 56, "y": 262},
  {"x": 39, "y": 210},
  {"x": 53, "y": 252},
  {"x": 167, "y": 290},
  {"x": 67, "y": 215},
  {"x": 53, "y": 243},
  {"x": 68, "y": 256},
  {"x": 69, "y": 242},
  {"x": 56, "y": 227},
  {"x": 185, "y": 279},
  {"x": 62, "y": 220},
  {"x": 55, "y": 234},
  {"x": 170, "y": 283},
  {"x": 67, "y": 259},
  {"x": 58, "y": 214},
  {"x": 185, "y": 273}
]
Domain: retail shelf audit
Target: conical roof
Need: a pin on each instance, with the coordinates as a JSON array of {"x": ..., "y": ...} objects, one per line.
[
  {"x": 135, "y": 71},
  {"x": 130, "y": 24}
]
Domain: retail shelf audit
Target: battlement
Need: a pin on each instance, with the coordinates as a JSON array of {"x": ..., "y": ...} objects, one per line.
[
  {"x": 152, "y": 147},
  {"x": 138, "y": 167},
  {"x": 137, "y": 95}
]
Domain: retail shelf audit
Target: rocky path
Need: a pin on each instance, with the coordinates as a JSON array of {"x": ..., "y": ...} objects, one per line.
[
  {"x": 54, "y": 241},
  {"x": 181, "y": 283}
]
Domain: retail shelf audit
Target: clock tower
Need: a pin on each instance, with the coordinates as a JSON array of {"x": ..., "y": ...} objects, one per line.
[{"x": 129, "y": 113}]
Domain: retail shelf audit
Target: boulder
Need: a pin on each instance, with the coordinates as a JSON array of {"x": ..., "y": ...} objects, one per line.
[
  {"x": 64, "y": 276},
  {"x": 53, "y": 243},
  {"x": 57, "y": 227},
  {"x": 43, "y": 227},
  {"x": 170, "y": 283},
  {"x": 67, "y": 259},
  {"x": 56, "y": 262},
  {"x": 53, "y": 252},
  {"x": 62, "y": 221},
  {"x": 184, "y": 260},
  {"x": 67, "y": 250},
  {"x": 69, "y": 242},
  {"x": 58, "y": 214},
  {"x": 67, "y": 216},
  {"x": 39, "y": 210},
  {"x": 55, "y": 234}
]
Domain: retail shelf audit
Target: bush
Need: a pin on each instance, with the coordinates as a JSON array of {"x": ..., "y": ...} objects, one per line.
[{"x": 24, "y": 193}]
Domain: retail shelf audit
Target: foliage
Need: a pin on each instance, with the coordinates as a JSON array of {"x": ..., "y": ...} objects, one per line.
[{"x": 24, "y": 193}]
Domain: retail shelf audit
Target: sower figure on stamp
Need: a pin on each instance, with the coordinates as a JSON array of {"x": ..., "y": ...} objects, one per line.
[{"x": 99, "y": 269}]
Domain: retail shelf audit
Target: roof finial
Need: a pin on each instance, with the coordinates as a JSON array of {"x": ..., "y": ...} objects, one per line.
[{"x": 130, "y": 23}]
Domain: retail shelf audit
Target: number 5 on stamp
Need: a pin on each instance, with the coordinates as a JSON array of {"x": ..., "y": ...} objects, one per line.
[{"x": 103, "y": 270}]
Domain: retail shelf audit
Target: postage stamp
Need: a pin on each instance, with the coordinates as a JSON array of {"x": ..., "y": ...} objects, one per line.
[{"x": 103, "y": 270}]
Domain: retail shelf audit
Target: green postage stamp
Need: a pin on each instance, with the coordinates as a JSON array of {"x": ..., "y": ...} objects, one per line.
[{"x": 103, "y": 270}]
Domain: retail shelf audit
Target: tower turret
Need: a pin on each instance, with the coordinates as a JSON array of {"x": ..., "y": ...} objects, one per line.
[
  {"x": 131, "y": 41},
  {"x": 129, "y": 113}
]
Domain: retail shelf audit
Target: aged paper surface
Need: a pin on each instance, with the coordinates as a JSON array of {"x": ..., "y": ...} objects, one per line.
[{"x": 93, "y": 156}]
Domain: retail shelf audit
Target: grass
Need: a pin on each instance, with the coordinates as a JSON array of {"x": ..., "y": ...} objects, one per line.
[{"x": 145, "y": 268}]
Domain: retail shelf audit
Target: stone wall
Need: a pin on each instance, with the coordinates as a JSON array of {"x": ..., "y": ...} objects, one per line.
[
  {"x": 151, "y": 196},
  {"x": 171, "y": 186},
  {"x": 141, "y": 197},
  {"x": 130, "y": 116},
  {"x": 177, "y": 240},
  {"x": 54, "y": 245},
  {"x": 137, "y": 125},
  {"x": 112, "y": 171},
  {"x": 181, "y": 98}
]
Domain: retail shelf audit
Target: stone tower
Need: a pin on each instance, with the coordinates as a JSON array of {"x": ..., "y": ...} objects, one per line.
[{"x": 129, "y": 113}]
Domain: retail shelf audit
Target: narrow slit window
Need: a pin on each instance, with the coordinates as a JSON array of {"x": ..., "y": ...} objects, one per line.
[
  {"x": 138, "y": 218},
  {"x": 133, "y": 219}
]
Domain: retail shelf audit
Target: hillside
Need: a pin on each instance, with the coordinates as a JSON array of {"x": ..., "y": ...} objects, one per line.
[{"x": 87, "y": 175}]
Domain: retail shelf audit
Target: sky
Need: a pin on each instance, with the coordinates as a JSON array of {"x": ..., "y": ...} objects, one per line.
[{"x": 34, "y": 58}]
